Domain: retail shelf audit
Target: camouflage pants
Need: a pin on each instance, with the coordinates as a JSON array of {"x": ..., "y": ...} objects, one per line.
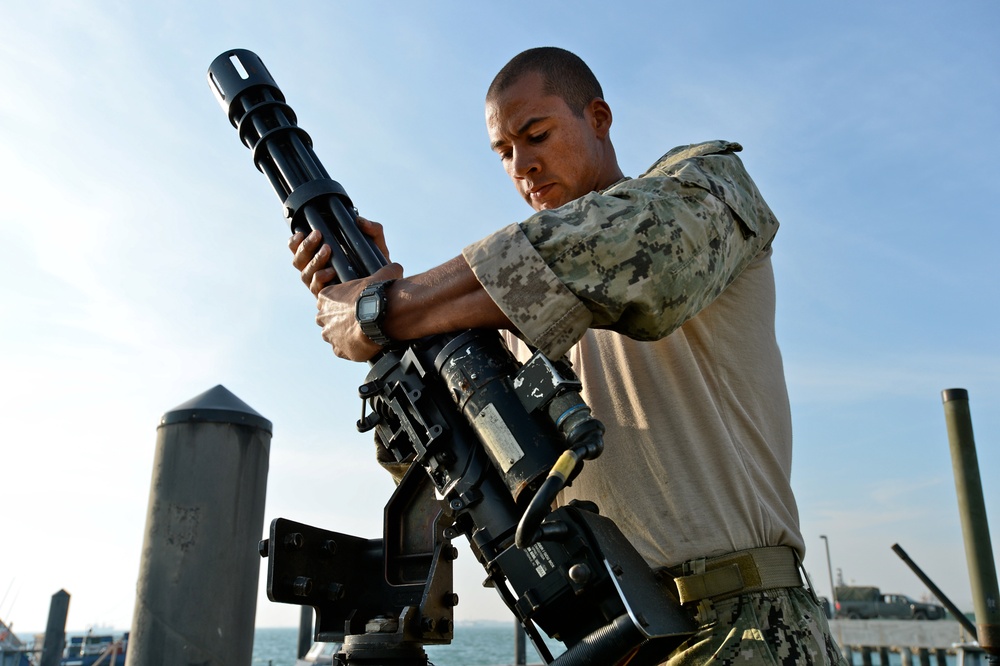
[{"x": 778, "y": 627}]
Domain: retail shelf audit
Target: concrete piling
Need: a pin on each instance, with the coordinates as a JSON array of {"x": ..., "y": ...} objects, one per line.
[{"x": 196, "y": 596}]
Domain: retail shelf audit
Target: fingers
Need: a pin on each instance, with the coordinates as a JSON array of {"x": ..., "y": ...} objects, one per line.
[
  {"x": 374, "y": 231},
  {"x": 304, "y": 248},
  {"x": 310, "y": 256}
]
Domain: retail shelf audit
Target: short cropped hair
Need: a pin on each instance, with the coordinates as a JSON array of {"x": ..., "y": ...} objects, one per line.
[{"x": 566, "y": 75}]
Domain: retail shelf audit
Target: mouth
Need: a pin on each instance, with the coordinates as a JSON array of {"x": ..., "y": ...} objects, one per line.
[{"x": 538, "y": 193}]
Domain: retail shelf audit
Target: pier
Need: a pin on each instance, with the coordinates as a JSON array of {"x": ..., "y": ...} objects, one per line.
[{"x": 920, "y": 643}]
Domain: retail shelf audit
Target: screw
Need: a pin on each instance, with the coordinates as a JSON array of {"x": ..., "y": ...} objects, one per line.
[
  {"x": 294, "y": 541},
  {"x": 302, "y": 586},
  {"x": 262, "y": 547},
  {"x": 335, "y": 591},
  {"x": 450, "y": 599},
  {"x": 329, "y": 547},
  {"x": 457, "y": 504}
]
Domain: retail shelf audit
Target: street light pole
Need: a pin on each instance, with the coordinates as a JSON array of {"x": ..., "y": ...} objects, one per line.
[{"x": 829, "y": 569}]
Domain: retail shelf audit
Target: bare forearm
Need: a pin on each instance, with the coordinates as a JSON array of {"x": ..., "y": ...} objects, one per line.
[{"x": 444, "y": 299}]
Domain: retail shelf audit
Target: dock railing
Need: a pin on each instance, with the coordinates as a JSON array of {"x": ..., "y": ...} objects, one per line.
[{"x": 918, "y": 643}]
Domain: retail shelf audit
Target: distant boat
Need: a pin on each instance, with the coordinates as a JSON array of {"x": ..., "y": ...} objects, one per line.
[
  {"x": 13, "y": 651},
  {"x": 95, "y": 650}
]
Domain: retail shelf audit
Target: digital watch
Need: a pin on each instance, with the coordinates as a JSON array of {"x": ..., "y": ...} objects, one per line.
[{"x": 370, "y": 311}]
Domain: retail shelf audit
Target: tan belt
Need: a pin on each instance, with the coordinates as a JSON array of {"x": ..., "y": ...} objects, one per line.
[{"x": 744, "y": 571}]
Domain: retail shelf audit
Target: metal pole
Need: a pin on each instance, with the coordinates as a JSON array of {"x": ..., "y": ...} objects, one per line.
[
  {"x": 829, "y": 570},
  {"x": 197, "y": 591},
  {"x": 975, "y": 527},
  {"x": 305, "y": 630},
  {"x": 942, "y": 597},
  {"x": 520, "y": 656}
]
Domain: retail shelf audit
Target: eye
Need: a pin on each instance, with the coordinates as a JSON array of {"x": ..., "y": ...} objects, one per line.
[{"x": 538, "y": 138}]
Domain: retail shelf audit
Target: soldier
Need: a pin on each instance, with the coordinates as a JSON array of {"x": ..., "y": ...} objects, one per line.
[{"x": 660, "y": 291}]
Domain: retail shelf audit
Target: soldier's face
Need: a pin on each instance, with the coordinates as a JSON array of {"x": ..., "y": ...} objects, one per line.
[{"x": 552, "y": 155}]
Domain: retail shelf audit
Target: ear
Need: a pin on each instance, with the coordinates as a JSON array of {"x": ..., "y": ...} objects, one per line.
[{"x": 599, "y": 115}]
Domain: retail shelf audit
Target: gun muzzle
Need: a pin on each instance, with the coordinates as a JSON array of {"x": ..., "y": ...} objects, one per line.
[{"x": 283, "y": 152}]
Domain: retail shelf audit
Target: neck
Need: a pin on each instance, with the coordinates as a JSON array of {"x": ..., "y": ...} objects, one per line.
[{"x": 611, "y": 173}]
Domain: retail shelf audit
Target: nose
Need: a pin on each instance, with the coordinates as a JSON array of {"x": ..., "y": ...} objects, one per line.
[{"x": 523, "y": 162}]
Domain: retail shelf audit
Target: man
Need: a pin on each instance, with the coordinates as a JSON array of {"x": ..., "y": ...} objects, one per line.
[{"x": 660, "y": 291}]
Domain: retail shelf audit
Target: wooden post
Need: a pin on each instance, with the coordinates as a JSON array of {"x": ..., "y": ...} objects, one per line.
[
  {"x": 197, "y": 592},
  {"x": 55, "y": 629},
  {"x": 906, "y": 656}
]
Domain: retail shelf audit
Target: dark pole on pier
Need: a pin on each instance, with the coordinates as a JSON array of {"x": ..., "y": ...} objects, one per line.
[
  {"x": 829, "y": 571},
  {"x": 55, "y": 629},
  {"x": 975, "y": 527},
  {"x": 520, "y": 656},
  {"x": 197, "y": 591}
]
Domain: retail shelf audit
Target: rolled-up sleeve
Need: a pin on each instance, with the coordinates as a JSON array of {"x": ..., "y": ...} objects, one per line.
[
  {"x": 640, "y": 258},
  {"x": 536, "y": 300}
]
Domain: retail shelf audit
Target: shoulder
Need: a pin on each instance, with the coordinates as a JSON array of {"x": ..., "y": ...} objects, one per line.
[
  {"x": 715, "y": 167},
  {"x": 693, "y": 151}
]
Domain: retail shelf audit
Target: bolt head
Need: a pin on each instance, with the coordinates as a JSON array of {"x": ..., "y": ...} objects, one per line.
[{"x": 302, "y": 586}]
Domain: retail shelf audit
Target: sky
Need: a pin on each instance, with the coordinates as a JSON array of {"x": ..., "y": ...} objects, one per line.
[{"x": 143, "y": 258}]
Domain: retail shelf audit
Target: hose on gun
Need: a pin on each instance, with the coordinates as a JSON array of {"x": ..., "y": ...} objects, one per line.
[{"x": 585, "y": 441}]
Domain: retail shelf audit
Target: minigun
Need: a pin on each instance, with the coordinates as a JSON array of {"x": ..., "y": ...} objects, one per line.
[{"x": 490, "y": 443}]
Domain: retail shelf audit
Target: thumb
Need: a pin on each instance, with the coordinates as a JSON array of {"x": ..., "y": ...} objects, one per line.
[{"x": 391, "y": 271}]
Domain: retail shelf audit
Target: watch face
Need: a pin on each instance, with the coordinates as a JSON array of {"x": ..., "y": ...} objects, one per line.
[{"x": 368, "y": 308}]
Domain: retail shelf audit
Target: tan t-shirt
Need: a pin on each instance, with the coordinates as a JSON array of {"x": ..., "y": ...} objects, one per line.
[{"x": 698, "y": 448}]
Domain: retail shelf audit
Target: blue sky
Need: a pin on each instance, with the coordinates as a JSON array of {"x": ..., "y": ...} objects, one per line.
[{"x": 143, "y": 259}]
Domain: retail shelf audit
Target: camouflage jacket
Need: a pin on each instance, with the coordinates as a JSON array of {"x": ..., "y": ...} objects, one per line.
[{"x": 640, "y": 257}]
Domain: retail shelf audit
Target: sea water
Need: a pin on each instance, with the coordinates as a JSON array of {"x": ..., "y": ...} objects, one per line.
[{"x": 474, "y": 644}]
